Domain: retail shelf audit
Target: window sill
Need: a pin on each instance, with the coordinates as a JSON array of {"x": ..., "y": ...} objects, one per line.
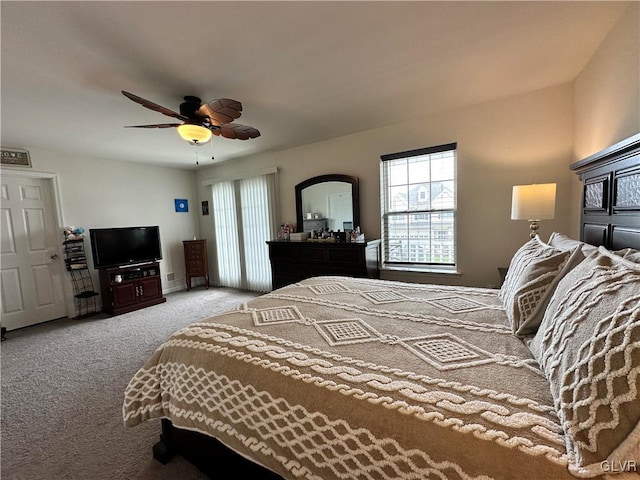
[{"x": 452, "y": 271}]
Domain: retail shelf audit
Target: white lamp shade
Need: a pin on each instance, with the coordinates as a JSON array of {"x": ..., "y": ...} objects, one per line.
[
  {"x": 194, "y": 134},
  {"x": 533, "y": 202}
]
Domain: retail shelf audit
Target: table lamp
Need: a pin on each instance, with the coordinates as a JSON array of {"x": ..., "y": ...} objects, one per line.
[{"x": 533, "y": 203}]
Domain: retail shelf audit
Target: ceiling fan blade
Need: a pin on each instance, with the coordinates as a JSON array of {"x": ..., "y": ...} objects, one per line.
[
  {"x": 154, "y": 106},
  {"x": 157, "y": 125},
  {"x": 236, "y": 131},
  {"x": 221, "y": 110}
]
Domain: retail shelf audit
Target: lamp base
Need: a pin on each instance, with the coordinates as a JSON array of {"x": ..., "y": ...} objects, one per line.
[{"x": 534, "y": 228}]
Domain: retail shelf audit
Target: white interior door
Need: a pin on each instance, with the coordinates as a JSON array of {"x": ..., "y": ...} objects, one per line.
[{"x": 30, "y": 278}]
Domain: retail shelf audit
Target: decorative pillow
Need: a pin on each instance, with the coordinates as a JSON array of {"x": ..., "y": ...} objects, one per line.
[
  {"x": 588, "y": 346},
  {"x": 561, "y": 241},
  {"x": 630, "y": 254},
  {"x": 531, "y": 278}
]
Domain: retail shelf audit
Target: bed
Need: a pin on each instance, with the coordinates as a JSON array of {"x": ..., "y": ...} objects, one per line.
[{"x": 345, "y": 378}]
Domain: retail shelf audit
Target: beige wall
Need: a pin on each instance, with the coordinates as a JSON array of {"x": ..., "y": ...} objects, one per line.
[
  {"x": 98, "y": 193},
  {"x": 607, "y": 96},
  {"x": 607, "y": 91},
  {"x": 515, "y": 140}
]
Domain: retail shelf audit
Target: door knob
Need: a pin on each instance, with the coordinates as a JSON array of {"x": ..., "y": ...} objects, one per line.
[{"x": 54, "y": 256}]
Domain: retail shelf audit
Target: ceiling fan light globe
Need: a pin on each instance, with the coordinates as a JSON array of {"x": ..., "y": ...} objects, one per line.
[{"x": 194, "y": 134}]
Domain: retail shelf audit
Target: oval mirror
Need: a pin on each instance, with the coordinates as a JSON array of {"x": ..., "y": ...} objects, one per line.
[{"x": 328, "y": 201}]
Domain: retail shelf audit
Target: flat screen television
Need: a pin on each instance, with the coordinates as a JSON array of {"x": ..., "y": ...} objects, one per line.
[{"x": 116, "y": 247}]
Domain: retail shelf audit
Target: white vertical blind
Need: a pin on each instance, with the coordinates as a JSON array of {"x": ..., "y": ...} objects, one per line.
[
  {"x": 226, "y": 228},
  {"x": 256, "y": 229},
  {"x": 244, "y": 217}
]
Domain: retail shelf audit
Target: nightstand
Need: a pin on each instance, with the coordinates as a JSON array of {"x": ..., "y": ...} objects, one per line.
[{"x": 502, "y": 271}]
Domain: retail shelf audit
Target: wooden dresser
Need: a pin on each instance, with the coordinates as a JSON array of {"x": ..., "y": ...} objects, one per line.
[
  {"x": 294, "y": 261},
  {"x": 196, "y": 261}
]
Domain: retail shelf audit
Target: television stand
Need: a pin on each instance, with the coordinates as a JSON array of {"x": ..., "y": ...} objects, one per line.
[{"x": 125, "y": 289}]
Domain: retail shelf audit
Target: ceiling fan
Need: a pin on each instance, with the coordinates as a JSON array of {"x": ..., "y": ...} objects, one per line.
[{"x": 201, "y": 120}]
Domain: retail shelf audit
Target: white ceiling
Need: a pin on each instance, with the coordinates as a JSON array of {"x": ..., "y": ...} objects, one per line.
[{"x": 304, "y": 71}]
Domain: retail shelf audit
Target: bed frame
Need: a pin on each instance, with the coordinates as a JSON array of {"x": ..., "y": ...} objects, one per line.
[
  {"x": 208, "y": 454},
  {"x": 610, "y": 217},
  {"x": 611, "y": 196}
]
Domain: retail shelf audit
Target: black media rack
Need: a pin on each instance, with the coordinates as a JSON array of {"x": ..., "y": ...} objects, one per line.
[{"x": 83, "y": 290}]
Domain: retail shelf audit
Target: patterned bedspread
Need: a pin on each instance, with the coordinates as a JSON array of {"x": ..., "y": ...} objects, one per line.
[{"x": 341, "y": 378}]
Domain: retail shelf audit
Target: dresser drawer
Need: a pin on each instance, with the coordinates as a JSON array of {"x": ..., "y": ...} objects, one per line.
[
  {"x": 195, "y": 265},
  {"x": 282, "y": 251},
  {"x": 194, "y": 256},
  {"x": 194, "y": 248},
  {"x": 345, "y": 255},
  {"x": 313, "y": 254}
]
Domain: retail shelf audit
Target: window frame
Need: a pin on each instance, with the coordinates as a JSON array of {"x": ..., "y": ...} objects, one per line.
[{"x": 428, "y": 213}]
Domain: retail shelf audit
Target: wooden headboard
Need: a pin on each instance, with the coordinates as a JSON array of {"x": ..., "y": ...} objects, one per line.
[{"x": 611, "y": 195}]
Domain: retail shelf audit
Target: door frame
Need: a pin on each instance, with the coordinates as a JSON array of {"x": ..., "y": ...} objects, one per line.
[{"x": 53, "y": 180}]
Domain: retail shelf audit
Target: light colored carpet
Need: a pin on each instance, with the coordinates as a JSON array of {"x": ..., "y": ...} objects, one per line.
[{"x": 62, "y": 392}]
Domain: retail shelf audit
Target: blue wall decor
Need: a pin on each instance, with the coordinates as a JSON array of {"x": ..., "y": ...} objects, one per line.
[{"x": 182, "y": 205}]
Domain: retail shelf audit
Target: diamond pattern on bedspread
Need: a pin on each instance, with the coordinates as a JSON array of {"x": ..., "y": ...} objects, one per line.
[
  {"x": 328, "y": 288},
  {"x": 458, "y": 304},
  {"x": 342, "y": 332},
  {"x": 447, "y": 351},
  {"x": 384, "y": 296},
  {"x": 270, "y": 316},
  {"x": 443, "y": 351}
]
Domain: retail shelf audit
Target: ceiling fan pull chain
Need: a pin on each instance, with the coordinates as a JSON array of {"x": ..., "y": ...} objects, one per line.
[{"x": 197, "y": 162}]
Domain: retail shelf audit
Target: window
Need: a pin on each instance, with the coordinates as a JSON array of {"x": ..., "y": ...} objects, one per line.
[{"x": 418, "y": 194}]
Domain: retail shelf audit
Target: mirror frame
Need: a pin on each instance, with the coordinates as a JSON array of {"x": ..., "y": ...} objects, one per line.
[{"x": 355, "y": 195}]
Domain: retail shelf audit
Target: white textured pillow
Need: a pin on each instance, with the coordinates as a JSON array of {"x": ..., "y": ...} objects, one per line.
[
  {"x": 588, "y": 346},
  {"x": 561, "y": 241},
  {"x": 630, "y": 254},
  {"x": 533, "y": 273}
]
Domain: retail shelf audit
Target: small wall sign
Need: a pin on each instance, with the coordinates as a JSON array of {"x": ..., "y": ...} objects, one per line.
[
  {"x": 182, "y": 204},
  {"x": 16, "y": 157}
]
